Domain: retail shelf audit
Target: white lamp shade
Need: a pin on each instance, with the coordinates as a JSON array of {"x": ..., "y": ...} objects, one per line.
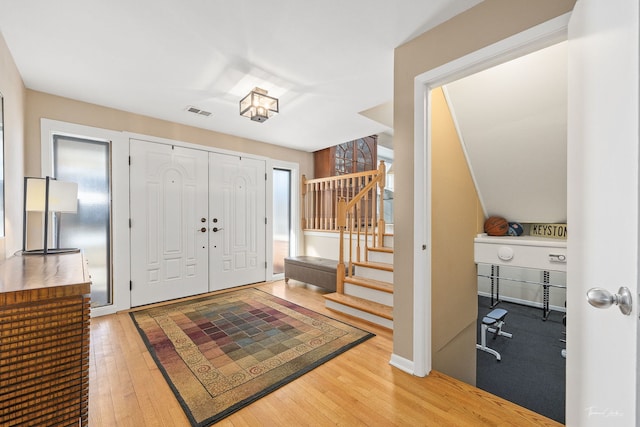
[{"x": 63, "y": 196}]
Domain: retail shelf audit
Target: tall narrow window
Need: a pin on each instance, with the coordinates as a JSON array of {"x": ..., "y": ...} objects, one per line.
[
  {"x": 87, "y": 162},
  {"x": 281, "y": 218},
  {"x": 1, "y": 166}
]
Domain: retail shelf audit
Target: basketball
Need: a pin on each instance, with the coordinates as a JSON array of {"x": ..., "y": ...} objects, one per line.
[{"x": 496, "y": 226}]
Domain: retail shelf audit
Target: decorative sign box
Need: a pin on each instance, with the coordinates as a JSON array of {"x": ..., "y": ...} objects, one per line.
[{"x": 554, "y": 231}]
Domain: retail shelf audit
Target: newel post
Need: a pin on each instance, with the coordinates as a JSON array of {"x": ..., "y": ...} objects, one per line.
[
  {"x": 342, "y": 224},
  {"x": 382, "y": 173},
  {"x": 303, "y": 189}
]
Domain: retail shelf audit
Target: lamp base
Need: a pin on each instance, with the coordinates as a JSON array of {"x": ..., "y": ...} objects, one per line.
[{"x": 53, "y": 251}]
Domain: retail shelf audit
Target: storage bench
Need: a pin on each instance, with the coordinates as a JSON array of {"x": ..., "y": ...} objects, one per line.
[{"x": 313, "y": 270}]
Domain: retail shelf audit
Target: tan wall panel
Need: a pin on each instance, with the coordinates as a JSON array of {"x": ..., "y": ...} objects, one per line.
[
  {"x": 455, "y": 210},
  {"x": 43, "y": 105},
  {"x": 14, "y": 93},
  {"x": 480, "y": 26},
  {"x": 456, "y": 357}
]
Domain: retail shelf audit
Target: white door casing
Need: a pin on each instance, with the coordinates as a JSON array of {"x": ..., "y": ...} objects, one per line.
[
  {"x": 602, "y": 374},
  {"x": 602, "y": 245},
  {"x": 543, "y": 35},
  {"x": 119, "y": 203},
  {"x": 169, "y": 253},
  {"x": 237, "y": 200}
]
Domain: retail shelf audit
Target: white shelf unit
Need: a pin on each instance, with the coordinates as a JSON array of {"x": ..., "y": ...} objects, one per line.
[{"x": 524, "y": 269}]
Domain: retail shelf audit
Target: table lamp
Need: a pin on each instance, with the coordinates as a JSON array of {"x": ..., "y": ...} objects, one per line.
[{"x": 47, "y": 195}]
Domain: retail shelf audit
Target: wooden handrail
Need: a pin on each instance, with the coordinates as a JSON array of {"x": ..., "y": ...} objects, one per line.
[
  {"x": 347, "y": 203},
  {"x": 348, "y": 213},
  {"x": 362, "y": 193},
  {"x": 349, "y": 175},
  {"x": 319, "y": 197}
]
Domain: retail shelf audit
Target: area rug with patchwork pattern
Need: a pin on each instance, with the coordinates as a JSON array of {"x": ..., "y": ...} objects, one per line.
[{"x": 220, "y": 353}]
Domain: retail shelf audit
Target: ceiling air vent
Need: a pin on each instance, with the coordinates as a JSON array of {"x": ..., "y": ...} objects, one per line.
[{"x": 195, "y": 110}]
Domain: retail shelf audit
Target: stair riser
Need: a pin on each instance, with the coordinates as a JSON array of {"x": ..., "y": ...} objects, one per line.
[
  {"x": 359, "y": 314},
  {"x": 374, "y": 273},
  {"x": 368, "y": 294},
  {"x": 388, "y": 242},
  {"x": 383, "y": 257}
]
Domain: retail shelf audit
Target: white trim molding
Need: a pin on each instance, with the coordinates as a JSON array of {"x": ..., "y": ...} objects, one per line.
[
  {"x": 536, "y": 38},
  {"x": 119, "y": 204},
  {"x": 403, "y": 364}
]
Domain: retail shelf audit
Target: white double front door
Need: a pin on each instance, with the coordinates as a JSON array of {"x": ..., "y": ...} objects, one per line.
[
  {"x": 238, "y": 222},
  {"x": 197, "y": 221}
]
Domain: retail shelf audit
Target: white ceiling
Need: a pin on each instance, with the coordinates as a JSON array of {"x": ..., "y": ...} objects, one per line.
[
  {"x": 512, "y": 120},
  {"x": 326, "y": 61}
]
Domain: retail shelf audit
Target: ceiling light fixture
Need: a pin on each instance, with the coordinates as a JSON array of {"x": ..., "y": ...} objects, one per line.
[{"x": 258, "y": 106}]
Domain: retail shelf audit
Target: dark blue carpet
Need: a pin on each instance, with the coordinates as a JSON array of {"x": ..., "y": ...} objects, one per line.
[{"x": 532, "y": 370}]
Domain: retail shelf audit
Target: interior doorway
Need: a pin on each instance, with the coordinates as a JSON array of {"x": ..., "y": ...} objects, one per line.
[
  {"x": 503, "y": 120},
  {"x": 531, "y": 40}
]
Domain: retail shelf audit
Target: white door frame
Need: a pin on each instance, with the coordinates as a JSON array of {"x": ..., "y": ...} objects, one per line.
[
  {"x": 120, "y": 193},
  {"x": 296, "y": 226},
  {"x": 536, "y": 38},
  {"x": 270, "y": 164},
  {"x": 119, "y": 203}
]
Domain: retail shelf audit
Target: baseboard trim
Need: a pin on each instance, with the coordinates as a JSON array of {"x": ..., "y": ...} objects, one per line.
[{"x": 402, "y": 364}]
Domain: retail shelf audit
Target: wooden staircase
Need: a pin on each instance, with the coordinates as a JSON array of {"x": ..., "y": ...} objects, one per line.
[
  {"x": 352, "y": 206},
  {"x": 368, "y": 294}
]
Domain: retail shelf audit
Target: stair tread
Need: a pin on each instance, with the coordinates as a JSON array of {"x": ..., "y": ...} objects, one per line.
[
  {"x": 367, "y": 306},
  {"x": 370, "y": 283},
  {"x": 376, "y": 265}
]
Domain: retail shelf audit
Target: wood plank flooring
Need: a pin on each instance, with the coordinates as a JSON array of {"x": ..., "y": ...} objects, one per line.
[{"x": 357, "y": 388}]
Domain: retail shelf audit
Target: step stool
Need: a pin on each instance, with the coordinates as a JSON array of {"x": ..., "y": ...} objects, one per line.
[{"x": 493, "y": 323}]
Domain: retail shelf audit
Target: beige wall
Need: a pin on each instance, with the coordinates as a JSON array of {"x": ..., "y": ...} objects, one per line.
[
  {"x": 43, "y": 105},
  {"x": 457, "y": 211},
  {"x": 480, "y": 26},
  {"x": 13, "y": 91}
]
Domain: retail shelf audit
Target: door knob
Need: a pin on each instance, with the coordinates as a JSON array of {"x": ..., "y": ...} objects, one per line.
[
  {"x": 216, "y": 229},
  {"x": 602, "y": 298},
  {"x": 203, "y": 229}
]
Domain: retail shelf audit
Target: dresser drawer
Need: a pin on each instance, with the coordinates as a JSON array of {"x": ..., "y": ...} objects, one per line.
[{"x": 526, "y": 252}]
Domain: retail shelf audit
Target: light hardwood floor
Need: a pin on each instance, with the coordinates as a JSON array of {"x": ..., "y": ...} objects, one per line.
[{"x": 357, "y": 388}]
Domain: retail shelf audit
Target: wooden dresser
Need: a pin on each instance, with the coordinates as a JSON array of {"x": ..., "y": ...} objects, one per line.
[{"x": 44, "y": 341}]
